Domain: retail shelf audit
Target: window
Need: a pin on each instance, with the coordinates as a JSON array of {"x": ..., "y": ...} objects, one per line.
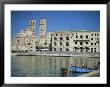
[
  {"x": 76, "y": 36},
  {"x": 91, "y": 38},
  {"x": 75, "y": 42},
  {"x": 60, "y": 43},
  {"x": 56, "y": 34},
  {"x": 67, "y": 38},
  {"x": 91, "y": 49},
  {"x": 54, "y": 49},
  {"x": 55, "y": 38},
  {"x": 18, "y": 40},
  {"x": 91, "y": 43},
  {"x": 81, "y": 43},
  {"x": 67, "y": 49},
  {"x": 61, "y": 38},
  {"x": 60, "y": 49},
  {"x": 86, "y": 42},
  {"x": 81, "y": 36},
  {"x": 61, "y": 34},
  {"x": 94, "y": 43},
  {"x": 97, "y": 38},
  {"x": 55, "y": 44},
  {"x": 86, "y": 36},
  {"x": 91, "y": 34},
  {"x": 67, "y": 44},
  {"x": 95, "y": 34},
  {"x": 95, "y": 49}
]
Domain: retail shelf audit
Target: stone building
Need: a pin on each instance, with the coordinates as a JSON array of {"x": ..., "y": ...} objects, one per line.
[
  {"x": 27, "y": 40},
  {"x": 76, "y": 41}
]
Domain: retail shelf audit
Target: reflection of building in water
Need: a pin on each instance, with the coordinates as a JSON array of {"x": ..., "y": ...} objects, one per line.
[{"x": 75, "y": 41}]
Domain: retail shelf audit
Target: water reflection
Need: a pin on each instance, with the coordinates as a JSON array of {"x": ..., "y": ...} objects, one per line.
[{"x": 44, "y": 66}]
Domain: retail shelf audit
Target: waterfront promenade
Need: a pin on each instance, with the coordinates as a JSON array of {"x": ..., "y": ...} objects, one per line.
[{"x": 60, "y": 53}]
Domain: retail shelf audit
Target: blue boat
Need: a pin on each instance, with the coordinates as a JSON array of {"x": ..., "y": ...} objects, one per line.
[{"x": 78, "y": 69}]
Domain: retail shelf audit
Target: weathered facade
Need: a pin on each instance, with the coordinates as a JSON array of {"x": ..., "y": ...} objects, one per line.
[{"x": 76, "y": 41}]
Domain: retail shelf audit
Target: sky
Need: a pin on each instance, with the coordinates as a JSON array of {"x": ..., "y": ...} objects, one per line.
[{"x": 56, "y": 20}]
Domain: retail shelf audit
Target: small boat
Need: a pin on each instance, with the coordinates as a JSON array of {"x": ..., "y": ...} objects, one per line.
[{"x": 78, "y": 69}]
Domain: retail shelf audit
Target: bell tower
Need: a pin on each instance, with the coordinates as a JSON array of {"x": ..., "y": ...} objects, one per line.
[
  {"x": 42, "y": 27},
  {"x": 32, "y": 26}
]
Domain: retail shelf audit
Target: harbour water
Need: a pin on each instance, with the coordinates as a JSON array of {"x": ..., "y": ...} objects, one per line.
[{"x": 46, "y": 66}]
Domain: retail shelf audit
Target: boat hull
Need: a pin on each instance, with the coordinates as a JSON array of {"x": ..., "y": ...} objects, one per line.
[{"x": 78, "y": 69}]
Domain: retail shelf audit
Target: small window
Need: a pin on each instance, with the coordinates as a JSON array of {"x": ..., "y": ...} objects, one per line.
[
  {"x": 97, "y": 38},
  {"x": 81, "y": 36},
  {"x": 61, "y": 34},
  {"x": 54, "y": 49},
  {"x": 75, "y": 42},
  {"x": 86, "y": 42},
  {"x": 95, "y": 49},
  {"x": 81, "y": 43},
  {"x": 91, "y": 38},
  {"x": 55, "y": 38},
  {"x": 67, "y": 49},
  {"x": 76, "y": 36},
  {"x": 60, "y": 49},
  {"x": 67, "y": 44},
  {"x": 55, "y": 44},
  {"x": 95, "y": 34},
  {"x": 86, "y": 36},
  {"x": 67, "y": 38},
  {"x": 61, "y": 38},
  {"x": 56, "y": 34},
  {"x": 94, "y": 43},
  {"x": 60, "y": 43},
  {"x": 91, "y": 34},
  {"x": 91, "y": 43},
  {"x": 91, "y": 49}
]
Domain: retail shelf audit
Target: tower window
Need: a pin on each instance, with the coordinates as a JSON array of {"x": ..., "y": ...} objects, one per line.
[
  {"x": 56, "y": 34},
  {"x": 91, "y": 43},
  {"x": 91, "y": 34},
  {"x": 91, "y": 38}
]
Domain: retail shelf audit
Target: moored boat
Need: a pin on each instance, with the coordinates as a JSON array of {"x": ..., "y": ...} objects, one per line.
[{"x": 80, "y": 70}]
